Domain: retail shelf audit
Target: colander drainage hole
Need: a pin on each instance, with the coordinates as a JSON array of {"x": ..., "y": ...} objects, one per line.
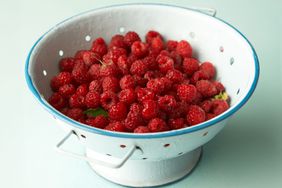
[
  {"x": 192, "y": 35},
  {"x": 205, "y": 134},
  {"x": 87, "y": 38},
  {"x": 166, "y": 145},
  {"x": 44, "y": 72},
  {"x": 231, "y": 61},
  {"x": 144, "y": 158},
  {"x": 238, "y": 91},
  {"x": 121, "y": 29},
  {"x": 122, "y": 146},
  {"x": 180, "y": 153},
  {"x": 83, "y": 136},
  {"x": 108, "y": 154},
  {"x": 221, "y": 49},
  {"x": 61, "y": 53}
]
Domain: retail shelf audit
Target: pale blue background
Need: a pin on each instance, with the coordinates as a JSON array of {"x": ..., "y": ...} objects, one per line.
[{"x": 247, "y": 153}]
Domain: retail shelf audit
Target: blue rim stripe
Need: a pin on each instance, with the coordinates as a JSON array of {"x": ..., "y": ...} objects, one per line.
[{"x": 150, "y": 135}]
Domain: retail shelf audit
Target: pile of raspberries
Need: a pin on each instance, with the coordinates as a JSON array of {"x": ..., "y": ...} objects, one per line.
[{"x": 140, "y": 87}]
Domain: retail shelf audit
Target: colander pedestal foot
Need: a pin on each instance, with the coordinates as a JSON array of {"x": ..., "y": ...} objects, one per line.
[{"x": 146, "y": 173}]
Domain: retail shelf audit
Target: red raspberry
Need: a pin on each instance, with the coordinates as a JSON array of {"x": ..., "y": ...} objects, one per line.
[
  {"x": 77, "y": 101},
  {"x": 123, "y": 64},
  {"x": 139, "y": 49},
  {"x": 176, "y": 123},
  {"x": 140, "y": 81},
  {"x": 184, "y": 49},
  {"x": 150, "y": 109},
  {"x": 61, "y": 79},
  {"x": 152, "y": 34},
  {"x": 94, "y": 71},
  {"x": 66, "y": 64},
  {"x": 190, "y": 65},
  {"x": 75, "y": 113},
  {"x": 144, "y": 94},
  {"x": 127, "y": 96},
  {"x": 157, "y": 125},
  {"x": 141, "y": 129},
  {"x": 206, "y": 105},
  {"x": 67, "y": 90},
  {"x": 138, "y": 67},
  {"x": 177, "y": 59},
  {"x": 127, "y": 82},
  {"x": 114, "y": 54},
  {"x": 180, "y": 110},
  {"x": 117, "y": 41},
  {"x": 175, "y": 76},
  {"x": 210, "y": 116},
  {"x": 219, "y": 86},
  {"x": 92, "y": 99},
  {"x": 100, "y": 121},
  {"x": 163, "y": 53},
  {"x": 57, "y": 101},
  {"x": 131, "y": 58},
  {"x": 219, "y": 106},
  {"x": 156, "y": 85},
  {"x": 79, "y": 54},
  {"x": 206, "y": 88},
  {"x": 99, "y": 47},
  {"x": 134, "y": 117},
  {"x": 195, "y": 115},
  {"x": 167, "y": 83},
  {"x": 89, "y": 58},
  {"x": 157, "y": 45},
  {"x": 199, "y": 75},
  {"x": 186, "y": 92},
  {"x": 149, "y": 75},
  {"x": 118, "y": 111},
  {"x": 96, "y": 86},
  {"x": 165, "y": 64},
  {"x": 171, "y": 45},
  {"x": 79, "y": 72},
  {"x": 109, "y": 70},
  {"x": 167, "y": 103},
  {"x": 198, "y": 99},
  {"x": 130, "y": 37},
  {"x": 110, "y": 83},
  {"x": 116, "y": 126},
  {"x": 82, "y": 89},
  {"x": 150, "y": 62},
  {"x": 209, "y": 69},
  {"x": 108, "y": 99},
  {"x": 162, "y": 115}
]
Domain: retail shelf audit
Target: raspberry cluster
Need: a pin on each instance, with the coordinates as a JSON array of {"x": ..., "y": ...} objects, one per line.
[{"x": 140, "y": 86}]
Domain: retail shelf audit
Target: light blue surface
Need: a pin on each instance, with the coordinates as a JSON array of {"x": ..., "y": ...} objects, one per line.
[{"x": 247, "y": 153}]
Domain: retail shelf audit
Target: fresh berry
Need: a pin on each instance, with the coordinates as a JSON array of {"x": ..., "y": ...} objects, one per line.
[
  {"x": 165, "y": 64},
  {"x": 195, "y": 115},
  {"x": 157, "y": 45},
  {"x": 67, "y": 90},
  {"x": 186, "y": 92},
  {"x": 118, "y": 111},
  {"x": 219, "y": 106},
  {"x": 209, "y": 69},
  {"x": 206, "y": 88},
  {"x": 210, "y": 116},
  {"x": 77, "y": 101},
  {"x": 130, "y": 37},
  {"x": 75, "y": 113},
  {"x": 127, "y": 82},
  {"x": 171, "y": 45},
  {"x": 219, "y": 86},
  {"x": 108, "y": 99},
  {"x": 78, "y": 55},
  {"x": 90, "y": 58},
  {"x": 199, "y": 75},
  {"x": 57, "y": 101},
  {"x": 167, "y": 103},
  {"x": 79, "y": 72},
  {"x": 206, "y": 105},
  {"x": 150, "y": 62},
  {"x": 116, "y": 126},
  {"x": 99, "y": 121},
  {"x": 156, "y": 85},
  {"x": 110, "y": 83},
  {"x": 157, "y": 125},
  {"x": 141, "y": 129},
  {"x": 123, "y": 64},
  {"x": 140, "y": 80},
  {"x": 177, "y": 59},
  {"x": 117, "y": 41},
  {"x": 138, "y": 67},
  {"x": 144, "y": 94},
  {"x": 61, "y": 79},
  {"x": 92, "y": 99},
  {"x": 99, "y": 47},
  {"x": 96, "y": 86},
  {"x": 127, "y": 96},
  {"x": 184, "y": 49},
  {"x": 82, "y": 89},
  {"x": 108, "y": 70},
  {"x": 66, "y": 64},
  {"x": 151, "y": 35},
  {"x": 176, "y": 123},
  {"x": 139, "y": 49},
  {"x": 150, "y": 109},
  {"x": 114, "y": 54},
  {"x": 134, "y": 117},
  {"x": 94, "y": 71},
  {"x": 175, "y": 76},
  {"x": 190, "y": 65}
]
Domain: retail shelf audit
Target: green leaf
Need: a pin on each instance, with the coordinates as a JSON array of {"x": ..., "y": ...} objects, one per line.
[{"x": 94, "y": 112}]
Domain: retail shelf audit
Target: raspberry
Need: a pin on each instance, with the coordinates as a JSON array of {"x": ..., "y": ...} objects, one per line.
[
  {"x": 163, "y": 53},
  {"x": 75, "y": 113},
  {"x": 167, "y": 83},
  {"x": 66, "y": 90},
  {"x": 79, "y": 72},
  {"x": 167, "y": 103},
  {"x": 77, "y": 101},
  {"x": 219, "y": 87},
  {"x": 177, "y": 59},
  {"x": 175, "y": 76},
  {"x": 100, "y": 121},
  {"x": 92, "y": 99},
  {"x": 127, "y": 96},
  {"x": 144, "y": 94},
  {"x": 176, "y": 123},
  {"x": 110, "y": 83},
  {"x": 57, "y": 101},
  {"x": 134, "y": 117},
  {"x": 219, "y": 106},
  {"x": 139, "y": 49},
  {"x": 156, "y": 85},
  {"x": 114, "y": 54},
  {"x": 190, "y": 65},
  {"x": 61, "y": 79},
  {"x": 198, "y": 99},
  {"x": 199, "y": 75},
  {"x": 138, "y": 67},
  {"x": 209, "y": 69},
  {"x": 141, "y": 129},
  {"x": 123, "y": 64},
  {"x": 89, "y": 58},
  {"x": 149, "y": 75},
  {"x": 131, "y": 58},
  {"x": 127, "y": 82},
  {"x": 117, "y": 41},
  {"x": 171, "y": 45},
  {"x": 66, "y": 64},
  {"x": 165, "y": 64},
  {"x": 152, "y": 34},
  {"x": 96, "y": 86},
  {"x": 116, "y": 126},
  {"x": 109, "y": 70},
  {"x": 210, "y": 116},
  {"x": 157, "y": 125},
  {"x": 99, "y": 47},
  {"x": 118, "y": 111},
  {"x": 206, "y": 88},
  {"x": 150, "y": 109},
  {"x": 186, "y": 92},
  {"x": 180, "y": 110},
  {"x": 206, "y": 105},
  {"x": 108, "y": 99},
  {"x": 195, "y": 115},
  {"x": 140, "y": 81},
  {"x": 157, "y": 45},
  {"x": 150, "y": 62},
  {"x": 130, "y": 37},
  {"x": 184, "y": 49},
  {"x": 162, "y": 115},
  {"x": 94, "y": 71},
  {"x": 82, "y": 89},
  {"x": 79, "y": 54}
]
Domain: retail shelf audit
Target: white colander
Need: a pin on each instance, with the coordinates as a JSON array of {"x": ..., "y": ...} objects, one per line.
[{"x": 154, "y": 158}]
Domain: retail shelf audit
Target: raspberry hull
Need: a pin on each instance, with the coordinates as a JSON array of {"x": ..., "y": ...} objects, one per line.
[{"x": 138, "y": 86}]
